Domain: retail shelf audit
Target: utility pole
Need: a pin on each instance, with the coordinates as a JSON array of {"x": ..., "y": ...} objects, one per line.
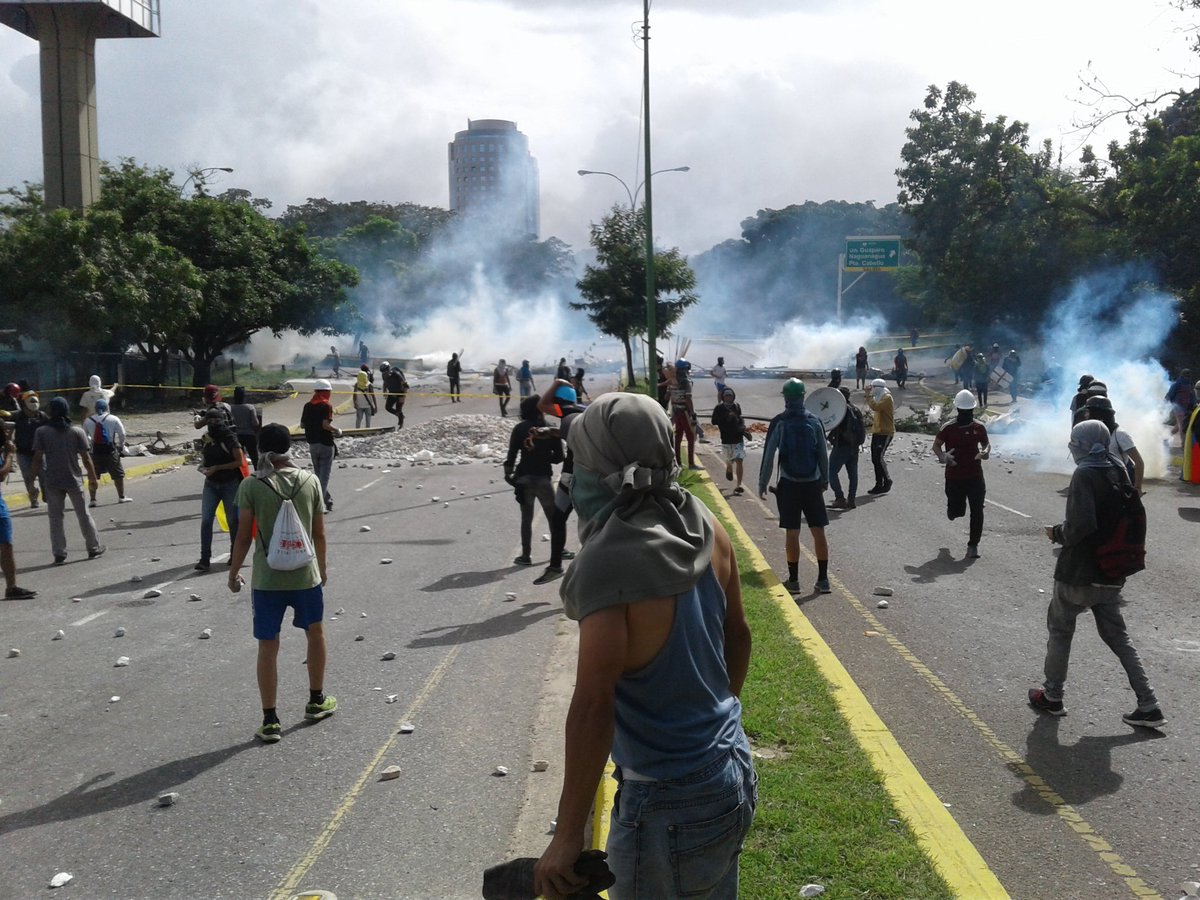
[{"x": 651, "y": 306}]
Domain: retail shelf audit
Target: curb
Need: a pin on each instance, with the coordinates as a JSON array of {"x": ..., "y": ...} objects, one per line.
[
  {"x": 21, "y": 500},
  {"x": 938, "y": 834}
]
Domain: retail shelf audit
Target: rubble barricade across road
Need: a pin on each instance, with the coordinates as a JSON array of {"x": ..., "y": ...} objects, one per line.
[{"x": 450, "y": 440}]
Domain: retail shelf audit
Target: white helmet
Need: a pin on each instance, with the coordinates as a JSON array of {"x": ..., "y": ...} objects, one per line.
[
  {"x": 964, "y": 399},
  {"x": 878, "y": 383},
  {"x": 322, "y": 385}
]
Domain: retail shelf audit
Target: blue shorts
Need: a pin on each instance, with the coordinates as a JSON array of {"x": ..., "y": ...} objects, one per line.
[
  {"x": 5, "y": 523},
  {"x": 308, "y": 608}
]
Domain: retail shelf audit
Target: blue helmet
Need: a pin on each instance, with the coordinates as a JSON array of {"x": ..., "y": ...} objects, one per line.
[{"x": 682, "y": 365}]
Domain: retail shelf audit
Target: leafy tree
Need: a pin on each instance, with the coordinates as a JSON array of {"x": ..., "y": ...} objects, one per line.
[{"x": 614, "y": 290}]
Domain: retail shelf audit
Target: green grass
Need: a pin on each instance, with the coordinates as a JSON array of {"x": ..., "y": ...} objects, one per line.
[{"x": 823, "y": 814}]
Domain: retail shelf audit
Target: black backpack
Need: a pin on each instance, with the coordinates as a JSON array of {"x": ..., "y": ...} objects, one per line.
[
  {"x": 855, "y": 427},
  {"x": 1123, "y": 551}
]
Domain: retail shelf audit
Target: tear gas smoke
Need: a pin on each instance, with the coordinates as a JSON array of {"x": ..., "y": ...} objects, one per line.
[{"x": 801, "y": 345}]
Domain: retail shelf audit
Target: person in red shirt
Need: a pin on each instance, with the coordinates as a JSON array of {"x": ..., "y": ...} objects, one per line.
[{"x": 961, "y": 446}]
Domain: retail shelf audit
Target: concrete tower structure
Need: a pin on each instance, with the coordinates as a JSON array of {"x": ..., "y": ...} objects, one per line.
[
  {"x": 66, "y": 33},
  {"x": 493, "y": 176}
]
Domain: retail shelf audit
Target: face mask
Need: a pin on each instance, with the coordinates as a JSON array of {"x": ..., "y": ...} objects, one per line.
[{"x": 33, "y": 404}]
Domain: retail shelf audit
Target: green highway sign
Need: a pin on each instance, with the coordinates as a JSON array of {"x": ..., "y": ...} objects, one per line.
[{"x": 872, "y": 254}]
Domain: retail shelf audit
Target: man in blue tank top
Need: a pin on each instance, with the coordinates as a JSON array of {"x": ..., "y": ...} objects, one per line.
[{"x": 663, "y": 651}]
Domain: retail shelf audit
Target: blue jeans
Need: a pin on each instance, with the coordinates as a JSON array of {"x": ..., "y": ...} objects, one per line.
[
  {"x": 843, "y": 456},
  {"x": 682, "y": 838},
  {"x": 1066, "y": 604},
  {"x": 322, "y": 463},
  {"x": 217, "y": 492}
]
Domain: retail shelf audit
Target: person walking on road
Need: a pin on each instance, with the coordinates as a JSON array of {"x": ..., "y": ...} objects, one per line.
[
  {"x": 799, "y": 438},
  {"x": 213, "y": 400},
  {"x": 1094, "y": 501},
  {"x": 60, "y": 448},
  {"x": 563, "y": 403},
  {"x": 395, "y": 388},
  {"x": 246, "y": 424},
  {"x": 679, "y": 395},
  {"x": 900, "y": 365},
  {"x": 983, "y": 373},
  {"x": 364, "y": 355},
  {"x": 719, "y": 375},
  {"x": 883, "y": 431},
  {"x": 28, "y": 420},
  {"x": 529, "y": 468},
  {"x": 454, "y": 373},
  {"x": 364, "y": 400},
  {"x": 259, "y": 500},
  {"x": 8, "y": 562},
  {"x": 222, "y": 461},
  {"x": 846, "y": 441},
  {"x": 502, "y": 385},
  {"x": 727, "y": 416},
  {"x": 106, "y": 434},
  {"x": 525, "y": 379},
  {"x": 317, "y": 421},
  {"x": 335, "y": 362},
  {"x": 1012, "y": 365},
  {"x": 664, "y": 648},
  {"x": 961, "y": 446},
  {"x": 860, "y": 368}
]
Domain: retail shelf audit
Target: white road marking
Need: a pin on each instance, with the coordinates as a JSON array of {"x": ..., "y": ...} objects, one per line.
[
  {"x": 87, "y": 619},
  {"x": 369, "y": 484},
  {"x": 1015, "y": 512}
]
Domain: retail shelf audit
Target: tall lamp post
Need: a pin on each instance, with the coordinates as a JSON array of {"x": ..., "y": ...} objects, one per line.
[
  {"x": 651, "y": 305},
  {"x": 633, "y": 195}
]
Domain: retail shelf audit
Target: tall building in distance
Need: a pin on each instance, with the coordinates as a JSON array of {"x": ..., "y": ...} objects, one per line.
[{"x": 494, "y": 176}]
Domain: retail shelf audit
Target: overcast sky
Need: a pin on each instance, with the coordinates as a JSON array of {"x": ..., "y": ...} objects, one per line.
[{"x": 771, "y": 102}]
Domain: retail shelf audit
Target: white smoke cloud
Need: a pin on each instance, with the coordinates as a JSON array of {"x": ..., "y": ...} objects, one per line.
[{"x": 802, "y": 345}]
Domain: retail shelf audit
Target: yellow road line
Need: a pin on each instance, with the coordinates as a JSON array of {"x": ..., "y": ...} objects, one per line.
[
  {"x": 951, "y": 851},
  {"x": 287, "y": 886},
  {"x": 20, "y": 499}
]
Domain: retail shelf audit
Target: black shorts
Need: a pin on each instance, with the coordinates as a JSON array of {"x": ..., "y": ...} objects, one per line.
[
  {"x": 502, "y": 390},
  {"x": 108, "y": 463},
  {"x": 800, "y": 498}
]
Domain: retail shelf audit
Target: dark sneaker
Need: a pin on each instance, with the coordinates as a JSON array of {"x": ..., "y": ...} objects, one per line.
[
  {"x": 33, "y": 504},
  {"x": 567, "y": 554},
  {"x": 19, "y": 593},
  {"x": 878, "y": 489},
  {"x": 839, "y": 503},
  {"x": 792, "y": 586},
  {"x": 59, "y": 560},
  {"x": 972, "y": 551},
  {"x": 522, "y": 561},
  {"x": 822, "y": 586},
  {"x": 329, "y": 507},
  {"x": 552, "y": 573},
  {"x": 728, "y": 474},
  {"x": 1039, "y": 701},
  {"x": 850, "y": 504},
  {"x": 99, "y": 551},
  {"x": 202, "y": 566},
  {"x": 739, "y": 490},
  {"x": 315, "y": 712},
  {"x": 1152, "y": 719},
  {"x": 269, "y": 733}
]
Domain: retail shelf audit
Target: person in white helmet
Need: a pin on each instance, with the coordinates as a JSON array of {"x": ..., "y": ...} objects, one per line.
[
  {"x": 961, "y": 446},
  {"x": 883, "y": 430}
]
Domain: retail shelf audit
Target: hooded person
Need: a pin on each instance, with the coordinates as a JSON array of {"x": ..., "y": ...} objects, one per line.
[
  {"x": 395, "y": 389},
  {"x": 1123, "y": 446},
  {"x": 316, "y": 420},
  {"x": 364, "y": 400},
  {"x": 529, "y": 468},
  {"x": 222, "y": 460},
  {"x": 727, "y": 416},
  {"x": 961, "y": 446},
  {"x": 562, "y": 402},
  {"x": 106, "y": 433},
  {"x": 663, "y": 653},
  {"x": 1094, "y": 503},
  {"x": 845, "y": 443},
  {"x": 502, "y": 385},
  {"x": 454, "y": 374},
  {"x": 27, "y": 421},
  {"x": 883, "y": 431},
  {"x": 60, "y": 449},
  {"x": 246, "y": 424},
  {"x": 95, "y": 392},
  {"x": 525, "y": 379},
  {"x": 213, "y": 401},
  {"x": 983, "y": 373}
]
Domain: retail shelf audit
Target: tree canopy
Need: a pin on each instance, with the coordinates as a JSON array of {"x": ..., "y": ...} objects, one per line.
[{"x": 614, "y": 290}]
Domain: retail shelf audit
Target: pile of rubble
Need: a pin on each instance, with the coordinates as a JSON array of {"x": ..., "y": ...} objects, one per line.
[{"x": 450, "y": 440}]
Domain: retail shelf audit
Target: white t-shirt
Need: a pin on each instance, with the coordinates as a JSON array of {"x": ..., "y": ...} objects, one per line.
[
  {"x": 718, "y": 374},
  {"x": 1121, "y": 443}
]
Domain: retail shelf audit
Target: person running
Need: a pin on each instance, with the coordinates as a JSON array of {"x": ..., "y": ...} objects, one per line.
[
  {"x": 1093, "y": 510},
  {"x": 502, "y": 385},
  {"x": 883, "y": 431},
  {"x": 28, "y": 420},
  {"x": 799, "y": 438},
  {"x": 846, "y": 441},
  {"x": 525, "y": 379},
  {"x": 106, "y": 435},
  {"x": 563, "y": 403},
  {"x": 222, "y": 461},
  {"x": 960, "y": 446},
  {"x": 900, "y": 364},
  {"x": 316, "y": 419},
  {"x": 60, "y": 448},
  {"x": 679, "y": 395},
  {"x": 718, "y": 376},
  {"x": 664, "y": 649},
  {"x": 335, "y": 360},
  {"x": 454, "y": 373},
  {"x": 246, "y": 424},
  {"x": 577, "y": 382},
  {"x": 259, "y": 500},
  {"x": 1012, "y": 365},
  {"x": 860, "y": 368},
  {"x": 727, "y": 416},
  {"x": 395, "y": 389},
  {"x": 364, "y": 400},
  {"x": 529, "y": 468},
  {"x": 8, "y": 562}
]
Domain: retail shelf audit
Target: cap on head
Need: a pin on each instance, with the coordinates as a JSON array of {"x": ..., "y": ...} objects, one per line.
[
  {"x": 1097, "y": 389},
  {"x": 101, "y": 405},
  {"x": 211, "y": 391},
  {"x": 793, "y": 389},
  {"x": 1099, "y": 402},
  {"x": 1085, "y": 380},
  {"x": 12, "y": 389},
  {"x": 964, "y": 399},
  {"x": 728, "y": 392},
  {"x": 322, "y": 385}
]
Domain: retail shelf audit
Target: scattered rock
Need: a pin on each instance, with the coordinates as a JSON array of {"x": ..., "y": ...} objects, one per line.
[
  {"x": 445, "y": 506},
  {"x": 540, "y": 765},
  {"x": 391, "y": 698},
  {"x": 76, "y": 599},
  {"x": 14, "y": 653},
  {"x": 360, "y": 638},
  {"x": 206, "y": 634},
  {"x": 121, "y": 662},
  {"x": 389, "y": 773},
  {"x": 434, "y": 499},
  {"x": 870, "y": 634},
  {"x": 59, "y": 635},
  {"x": 545, "y": 538},
  {"x": 114, "y": 699},
  {"x": 812, "y": 890},
  {"x": 136, "y": 579},
  {"x": 364, "y": 528},
  {"x": 168, "y": 798},
  {"x": 120, "y": 632},
  {"x": 195, "y": 598},
  {"x": 340, "y": 610},
  {"x": 156, "y": 559},
  {"x": 388, "y": 657},
  {"x": 362, "y": 615},
  {"x": 153, "y": 592},
  {"x": 882, "y": 604},
  {"x": 386, "y": 561},
  {"x": 510, "y": 597},
  {"x": 407, "y": 728},
  {"x": 500, "y": 771},
  {"x": 60, "y": 879},
  {"x": 882, "y": 592}
]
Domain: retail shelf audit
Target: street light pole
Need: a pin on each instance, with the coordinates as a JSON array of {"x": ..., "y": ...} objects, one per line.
[
  {"x": 651, "y": 304},
  {"x": 199, "y": 176},
  {"x": 632, "y": 195}
]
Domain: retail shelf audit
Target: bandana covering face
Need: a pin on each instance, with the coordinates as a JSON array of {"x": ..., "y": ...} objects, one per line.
[
  {"x": 641, "y": 534},
  {"x": 31, "y": 402},
  {"x": 362, "y": 381}
]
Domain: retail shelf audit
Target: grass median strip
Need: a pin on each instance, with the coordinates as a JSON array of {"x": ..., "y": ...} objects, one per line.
[{"x": 824, "y": 814}]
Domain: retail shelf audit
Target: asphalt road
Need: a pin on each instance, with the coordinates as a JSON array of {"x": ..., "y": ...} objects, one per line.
[{"x": 1057, "y": 807}]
